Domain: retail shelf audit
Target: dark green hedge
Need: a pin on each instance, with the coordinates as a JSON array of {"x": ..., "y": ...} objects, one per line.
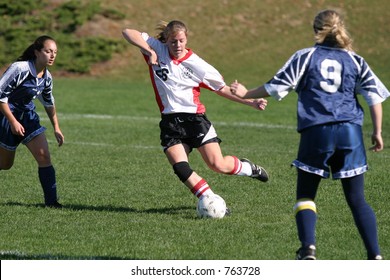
[{"x": 24, "y": 20}]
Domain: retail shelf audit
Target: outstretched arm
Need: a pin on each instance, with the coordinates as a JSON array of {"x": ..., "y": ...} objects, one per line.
[
  {"x": 134, "y": 37},
  {"x": 376, "y": 137},
  {"x": 258, "y": 104},
  {"x": 240, "y": 90}
]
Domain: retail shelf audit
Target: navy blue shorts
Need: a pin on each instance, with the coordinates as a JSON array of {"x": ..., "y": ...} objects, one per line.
[
  {"x": 32, "y": 127},
  {"x": 194, "y": 130},
  {"x": 336, "y": 149}
]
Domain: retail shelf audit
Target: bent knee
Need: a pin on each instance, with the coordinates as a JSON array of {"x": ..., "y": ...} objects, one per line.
[
  {"x": 6, "y": 159},
  {"x": 220, "y": 166},
  {"x": 6, "y": 165},
  {"x": 182, "y": 170}
]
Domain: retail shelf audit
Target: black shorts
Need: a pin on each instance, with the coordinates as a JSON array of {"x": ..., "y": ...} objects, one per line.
[{"x": 194, "y": 130}]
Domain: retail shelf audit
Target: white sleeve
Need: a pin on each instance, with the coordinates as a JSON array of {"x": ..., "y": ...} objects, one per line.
[
  {"x": 8, "y": 81},
  {"x": 370, "y": 87},
  {"x": 155, "y": 44},
  {"x": 209, "y": 76},
  {"x": 289, "y": 76}
]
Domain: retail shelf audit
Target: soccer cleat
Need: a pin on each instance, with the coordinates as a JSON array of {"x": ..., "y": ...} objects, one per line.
[
  {"x": 56, "y": 205},
  {"x": 306, "y": 253},
  {"x": 258, "y": 172}
]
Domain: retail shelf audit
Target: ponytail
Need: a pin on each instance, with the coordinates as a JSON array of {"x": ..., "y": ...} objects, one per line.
[
  {"x": 329, "y": 28},
  {"x": 29, "y": 53}
]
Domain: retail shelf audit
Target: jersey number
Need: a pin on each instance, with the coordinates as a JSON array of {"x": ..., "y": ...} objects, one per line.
[
  {"x": 331, "y": 71},
  {"x": 162, "y": 73}
]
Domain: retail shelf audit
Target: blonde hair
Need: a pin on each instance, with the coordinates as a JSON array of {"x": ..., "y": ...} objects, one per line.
[
  {"x": 329, "y": 28},
  {"x": 167, "y": 29}
]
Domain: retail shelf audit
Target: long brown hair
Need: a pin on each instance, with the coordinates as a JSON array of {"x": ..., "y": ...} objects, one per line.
[{"x": 38, "y": 45}]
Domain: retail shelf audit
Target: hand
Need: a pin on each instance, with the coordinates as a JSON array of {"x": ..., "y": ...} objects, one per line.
[
  {"x": 238, "y": 89},
  {"x": 153, "y": 59},
  {"x": 377, "y": 141},
  {"x": 59, "y": 137},
  {"x": 17, "y": 128},
  {"x": 260, "y": 103}
]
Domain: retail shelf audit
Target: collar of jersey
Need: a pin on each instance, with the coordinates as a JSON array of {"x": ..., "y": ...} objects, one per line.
[{"x": 178, "y": 61}]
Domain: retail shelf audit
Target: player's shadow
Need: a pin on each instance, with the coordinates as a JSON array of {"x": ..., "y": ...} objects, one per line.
[
  {"x": 178, "y": 210},
  {"x": 15, "y": 255}
]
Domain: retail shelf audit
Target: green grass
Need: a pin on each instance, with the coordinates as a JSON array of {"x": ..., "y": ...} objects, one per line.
[{"x": 122, "y": 200}]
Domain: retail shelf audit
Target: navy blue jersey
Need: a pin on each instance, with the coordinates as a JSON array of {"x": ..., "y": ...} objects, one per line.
[
  {"x": 19, "y": 85},
  {"x": 327, "y": 81}
]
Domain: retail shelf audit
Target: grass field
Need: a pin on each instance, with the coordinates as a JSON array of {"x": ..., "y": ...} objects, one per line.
[{"x": 122, "y": 200}]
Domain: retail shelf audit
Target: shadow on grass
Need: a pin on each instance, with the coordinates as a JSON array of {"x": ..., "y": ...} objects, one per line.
[
  {"x": 16, "y": 255},
  {"x": 108, "y": 208}
]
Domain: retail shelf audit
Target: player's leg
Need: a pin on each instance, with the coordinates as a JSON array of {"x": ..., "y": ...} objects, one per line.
[
  {"x": 39, "y": 148},
  {"x": 178, "y": 157},
  {"x": 7, "y": 158},
  {"x": 353, "y": 157},
  {"x": 212, "y": 155},
  {"x": 363, "y": 214},
  {"x": 315, "y": 149},
  {"x": 8, "y": 144},
  {"x": 306, "y": 213}
]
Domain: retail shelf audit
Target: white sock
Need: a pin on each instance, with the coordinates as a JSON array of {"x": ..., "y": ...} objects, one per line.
[
  {"x": 246, "y": 169},
  {"x": 201, "y": 189}
]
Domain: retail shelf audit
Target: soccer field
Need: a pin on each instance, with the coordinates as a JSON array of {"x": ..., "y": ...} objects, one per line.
[{"x": 122, "y": 200}]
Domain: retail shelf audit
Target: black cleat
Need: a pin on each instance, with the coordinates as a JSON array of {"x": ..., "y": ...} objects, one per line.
[
  {"x": 258, "y": 172},
  {"x": 56, "y": 205},
  {"x": 306, "y": 253}
]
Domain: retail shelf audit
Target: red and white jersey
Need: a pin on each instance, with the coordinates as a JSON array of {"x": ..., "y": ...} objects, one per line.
[{"x": 177, "y": 83}]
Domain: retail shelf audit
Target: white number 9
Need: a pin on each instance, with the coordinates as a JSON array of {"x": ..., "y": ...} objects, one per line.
[{"x": 331, "y": 71}]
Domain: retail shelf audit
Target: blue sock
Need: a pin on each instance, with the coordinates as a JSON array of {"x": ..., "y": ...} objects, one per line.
[
  {"x": 47, "y": 177},
  {"x": 363, "y": 214},
  {"x": 306, "y": 225},
  {"x": 306, "y": 217}
]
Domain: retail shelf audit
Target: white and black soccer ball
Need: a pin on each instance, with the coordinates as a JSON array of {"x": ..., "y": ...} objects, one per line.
[{"x": 211, "y": 206}]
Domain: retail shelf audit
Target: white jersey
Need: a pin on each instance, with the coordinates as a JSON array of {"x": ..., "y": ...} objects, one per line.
[{"x": 177, "y": 83}]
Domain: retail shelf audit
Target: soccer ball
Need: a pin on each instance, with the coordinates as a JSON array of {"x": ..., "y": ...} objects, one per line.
[{"x": 211, "y": 206}]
